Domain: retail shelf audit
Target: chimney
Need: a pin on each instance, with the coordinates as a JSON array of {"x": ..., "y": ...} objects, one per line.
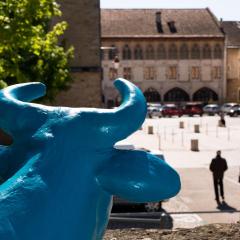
[{"x": 159, "y": 22}]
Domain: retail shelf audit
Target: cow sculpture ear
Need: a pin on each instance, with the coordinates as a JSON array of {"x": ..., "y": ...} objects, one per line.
[{"x": 139, "y": 176}]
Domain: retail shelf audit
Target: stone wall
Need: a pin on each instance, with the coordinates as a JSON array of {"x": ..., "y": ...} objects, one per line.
[
  {"x": 233, "y": 75},
  {"x": 83, "y": 18}
]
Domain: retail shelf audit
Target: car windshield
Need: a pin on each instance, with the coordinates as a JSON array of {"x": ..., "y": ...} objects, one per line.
[
  {"x": 236, "y": 106},
  {"x": 228, "y": 105}
]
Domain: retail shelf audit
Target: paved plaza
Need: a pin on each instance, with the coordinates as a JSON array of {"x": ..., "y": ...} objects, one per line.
[{"x": 195, "y": 204}]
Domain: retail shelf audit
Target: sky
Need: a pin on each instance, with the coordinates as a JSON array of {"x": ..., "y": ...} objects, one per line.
[{"x": 225, "y": 9}]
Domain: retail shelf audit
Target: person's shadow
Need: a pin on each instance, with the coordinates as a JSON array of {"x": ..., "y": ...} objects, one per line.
[{"x": 223, "y": 206}]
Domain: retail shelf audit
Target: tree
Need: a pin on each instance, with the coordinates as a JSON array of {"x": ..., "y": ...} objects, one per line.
[{"x": 29, "y": 49}]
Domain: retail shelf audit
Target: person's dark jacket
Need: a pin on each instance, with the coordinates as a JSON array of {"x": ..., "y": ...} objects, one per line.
[{"x": 218, "y": 166}]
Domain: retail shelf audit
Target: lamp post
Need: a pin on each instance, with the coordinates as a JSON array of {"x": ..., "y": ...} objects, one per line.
[{"x": 116, "y": 63}]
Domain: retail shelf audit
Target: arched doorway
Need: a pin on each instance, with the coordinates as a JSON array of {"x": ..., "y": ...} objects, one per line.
[
  {"x": 176, "y": 95},
  {"x": 205, "y": 95},
  {"x": 152, "y": 95}
]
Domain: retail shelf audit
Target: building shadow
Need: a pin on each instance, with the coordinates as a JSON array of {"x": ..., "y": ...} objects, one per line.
[{"x": 223, "y": 206}]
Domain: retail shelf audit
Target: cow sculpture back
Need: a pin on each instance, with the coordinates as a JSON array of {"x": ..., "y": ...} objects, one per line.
[{"x": 61, "y": 171}]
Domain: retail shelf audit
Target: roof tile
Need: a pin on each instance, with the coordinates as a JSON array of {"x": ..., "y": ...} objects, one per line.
[{"x": 142, "y": 23}]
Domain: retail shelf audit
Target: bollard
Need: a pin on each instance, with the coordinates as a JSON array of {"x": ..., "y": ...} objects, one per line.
[
  {"x": 150, "y": 129},
  {"x": 221, "y": 123},
  {"x": 194, "y": 145},
  {"x": 196, "y": 128},
  {"x": 159, "y": 141},
  {"x": 181, "y": 124}
]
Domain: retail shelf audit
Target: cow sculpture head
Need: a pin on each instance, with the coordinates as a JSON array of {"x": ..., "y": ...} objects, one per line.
[{"x": 61, "y": 171}]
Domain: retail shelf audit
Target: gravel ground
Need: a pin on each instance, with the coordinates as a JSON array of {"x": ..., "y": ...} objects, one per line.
[{"x": 207, "y": 232}]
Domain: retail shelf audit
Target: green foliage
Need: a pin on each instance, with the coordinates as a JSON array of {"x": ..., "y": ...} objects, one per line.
[{"x": 29, "y": 49}]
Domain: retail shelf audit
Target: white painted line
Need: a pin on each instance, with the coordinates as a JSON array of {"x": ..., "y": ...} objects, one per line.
[{"x": 232, "y": 181}]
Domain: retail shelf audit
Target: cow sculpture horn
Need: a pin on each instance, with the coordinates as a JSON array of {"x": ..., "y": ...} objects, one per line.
[
  {"x": 14, "y": 106},
  {"x": 133, "y": 105}
]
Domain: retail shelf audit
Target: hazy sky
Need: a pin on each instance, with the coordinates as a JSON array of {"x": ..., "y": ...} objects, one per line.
[{"x": 226, "y": 9}]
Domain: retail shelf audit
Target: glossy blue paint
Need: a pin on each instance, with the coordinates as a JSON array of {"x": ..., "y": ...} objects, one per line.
[{"x": 62, "y": 169}]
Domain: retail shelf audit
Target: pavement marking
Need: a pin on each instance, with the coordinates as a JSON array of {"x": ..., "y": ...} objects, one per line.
[
  {"x": 186, "y": 220},
  {"x": 232, "y": 181}
]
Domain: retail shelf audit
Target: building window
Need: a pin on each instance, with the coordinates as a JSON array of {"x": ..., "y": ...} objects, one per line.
[
  {"x": 149, "y": 73},
  {"x": 102, "y": 54},
  {"x": 217, "y": 72},
  {"x": 112, "y": 74},
  {"x": 184, "y": 53},
  {"x": 172, "y": 52},
  {"x": 150, "y": 52},
  {"x": 138, "y": 54},
  {"x": 127, "y": 73},
  {"x": 126, "y": 54},
  {"x": 113, "y": 51},
  {"x": 161, "y": 52},
  {"x": 217, "y": 51},
  {"x": 172, "y": 72},
  {"x": 195, "y": 73},
  {"x": 207, "y": 52},
  {"x": 195, "y": 52}
]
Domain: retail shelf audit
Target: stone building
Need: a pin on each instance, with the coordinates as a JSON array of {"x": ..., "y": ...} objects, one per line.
[
  {"x": 232, "y": 30},
  {"x": 173, "y": 55},
  {"x": 83, "y": 18}
]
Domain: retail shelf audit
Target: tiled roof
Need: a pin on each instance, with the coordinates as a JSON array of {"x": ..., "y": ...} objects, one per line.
[
  {"x": 142, "y": 23},
  {"x": 232, "y": 30}
]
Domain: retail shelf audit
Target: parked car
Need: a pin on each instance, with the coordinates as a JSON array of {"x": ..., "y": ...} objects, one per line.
[
  {"x": 226, "y": 107},
  {"x": 154, "y": 109},
  {"x": 211, "y": 109},
  {"x": 234, "y": 111},
  {"x": 170, "y": 110},
  {"x": 148, "y": 206},
  {"x": 192, "y": 109}
]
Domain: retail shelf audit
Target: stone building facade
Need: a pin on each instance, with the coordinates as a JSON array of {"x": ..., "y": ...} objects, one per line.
[
  {"x": 232, "y": 30},
  {"x": 83, "y": 18},
  {"x": 173, "y": 55}
]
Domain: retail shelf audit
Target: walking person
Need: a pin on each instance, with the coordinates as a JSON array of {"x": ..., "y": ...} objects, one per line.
[
  {"x": 222, "y": 120},
  {"x": 218, "y": 166}
]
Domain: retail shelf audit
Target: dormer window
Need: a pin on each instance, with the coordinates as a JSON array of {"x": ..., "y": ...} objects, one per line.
[
  {"x": 159, "y": 22},
  {"x": 172, "y": 27}
]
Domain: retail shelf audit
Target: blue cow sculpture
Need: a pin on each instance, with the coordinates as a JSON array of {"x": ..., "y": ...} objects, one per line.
[{"x": 61, "y": 170}]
